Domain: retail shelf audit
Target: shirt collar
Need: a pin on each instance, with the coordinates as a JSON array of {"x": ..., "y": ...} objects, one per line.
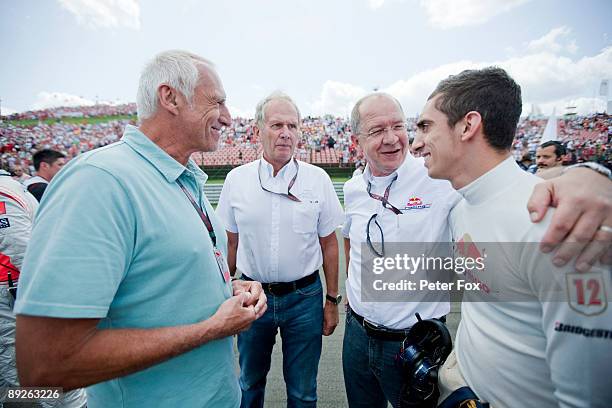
[
  {"x": 285, "y": 173},
  {"x": 492, "y": 182},
  {"x": 401, "y": 172},
  {"x": 162, "y": 161}
]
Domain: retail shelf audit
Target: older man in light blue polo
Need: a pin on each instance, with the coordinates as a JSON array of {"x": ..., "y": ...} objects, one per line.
[{"x": 125, "y": 287}]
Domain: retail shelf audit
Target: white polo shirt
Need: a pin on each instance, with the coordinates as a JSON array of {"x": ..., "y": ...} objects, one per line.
[
  {"x": 34, "y": 180},
  {"x": 424, "y": 222},
  {"x": 278, "y": 237}
]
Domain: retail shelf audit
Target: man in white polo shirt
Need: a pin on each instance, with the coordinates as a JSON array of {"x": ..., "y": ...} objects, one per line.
[
  {"x": 281, "y": 215},
  {"x": 393, "y": 201}
]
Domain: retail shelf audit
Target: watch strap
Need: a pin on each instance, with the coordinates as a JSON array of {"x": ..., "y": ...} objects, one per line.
[
  {"x": 334, "y": 300},
  {"x": 604, "y": 171}
]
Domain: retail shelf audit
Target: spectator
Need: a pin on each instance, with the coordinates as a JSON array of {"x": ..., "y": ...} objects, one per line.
[
  {"x": 47, "y": 164},
  {"x": 19, "y": 174},
  {"x": 550, "y": 154}
]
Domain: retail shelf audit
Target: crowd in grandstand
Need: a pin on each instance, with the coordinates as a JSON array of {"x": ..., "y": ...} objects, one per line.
[
  {"x": 19, "y": 143},
  {"x": 325, "y": 140},
  {"x": 586, "y": 138},
  {"x": 76, "y": 111}
]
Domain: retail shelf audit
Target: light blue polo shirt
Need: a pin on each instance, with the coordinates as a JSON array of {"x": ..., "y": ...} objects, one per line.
[{"x": 116, "y": 238}]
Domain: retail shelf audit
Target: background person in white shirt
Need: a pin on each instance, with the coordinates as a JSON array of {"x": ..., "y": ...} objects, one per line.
[
  {"x": 281, "y": 215},
  {"x": 47, "y": 163},
  {"x": 17, "y": 210},
  {"x": 526, "y": 349}
]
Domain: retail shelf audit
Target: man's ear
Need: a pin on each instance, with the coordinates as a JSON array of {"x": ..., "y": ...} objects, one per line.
[
  {"x": 471, "y": 125},
  {"x": 256, "y": 131},
  {"x": 357, "y": 142},
  {"x": 168, "y": 98},
  {"x": 359, "y": 146}
]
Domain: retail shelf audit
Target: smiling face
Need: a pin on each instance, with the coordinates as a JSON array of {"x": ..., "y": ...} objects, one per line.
[
  {"x": 279, "y": 133},
  {"x": 437, "y": 142},
  {"x": 207, "y": 113},
  {"x": 382, "y": 134}
]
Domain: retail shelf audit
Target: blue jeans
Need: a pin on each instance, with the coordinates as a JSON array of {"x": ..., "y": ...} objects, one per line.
[
  {"x": 299, "y": 315},
  {"x": 371, "y": 377}
]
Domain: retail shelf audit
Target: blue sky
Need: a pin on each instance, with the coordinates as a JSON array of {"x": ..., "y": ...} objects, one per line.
[{"x": 326, "y": 54}]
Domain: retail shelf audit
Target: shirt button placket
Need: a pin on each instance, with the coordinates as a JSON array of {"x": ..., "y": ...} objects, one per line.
[{"x": 274, "y": 238}]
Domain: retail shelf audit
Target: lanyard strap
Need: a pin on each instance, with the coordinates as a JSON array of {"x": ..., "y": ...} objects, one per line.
[
  {"x": 289, "y": 194},
  {"x": 203, "y": 215},
  {"x": 385, "y": 198}
]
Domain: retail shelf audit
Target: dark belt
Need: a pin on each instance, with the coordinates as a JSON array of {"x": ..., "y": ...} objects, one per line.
[
  {"x": 284, "y": 288},
  {"x": 381, "y": 332}
]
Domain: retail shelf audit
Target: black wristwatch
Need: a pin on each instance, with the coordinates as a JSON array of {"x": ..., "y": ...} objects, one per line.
[{"x": 335, "y": 300}]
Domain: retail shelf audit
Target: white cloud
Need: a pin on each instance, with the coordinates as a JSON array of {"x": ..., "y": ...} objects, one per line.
[
  {"x": 445, "y": 14},
  {"x": 8, "y": 111},
  {"x": 241, "y": 113},
  {"x": 556, "y": 40},
  {"x": 582, "y": 105},
  {"x": 105, "y": 13},
  {"x": 546, "y": 79},
  {"x": 337, "y": 98},
  {"x": 374, "y": 4},
  {"x": 413, "y": 92},
  {"x": 46, "y": 100}
]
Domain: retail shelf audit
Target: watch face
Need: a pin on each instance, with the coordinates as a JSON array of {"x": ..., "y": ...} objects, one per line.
[{"x": 334, "y": 300}]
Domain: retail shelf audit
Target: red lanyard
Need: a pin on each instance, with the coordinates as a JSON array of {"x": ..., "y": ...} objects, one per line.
[
  {"x": 385, "y": 198},
  {"x": 203, "y": 215}
]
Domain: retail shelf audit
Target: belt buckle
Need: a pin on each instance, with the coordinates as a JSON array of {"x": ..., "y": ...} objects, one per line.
[
  {"x": 369, "y": 326},
  {"x": 270, "y": 286}
]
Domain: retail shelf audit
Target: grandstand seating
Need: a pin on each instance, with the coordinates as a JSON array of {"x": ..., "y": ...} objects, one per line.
[{"x": 586, "y": 137}]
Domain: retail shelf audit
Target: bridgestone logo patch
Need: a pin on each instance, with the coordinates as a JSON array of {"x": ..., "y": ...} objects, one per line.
[{"x": 581, "y": 331}]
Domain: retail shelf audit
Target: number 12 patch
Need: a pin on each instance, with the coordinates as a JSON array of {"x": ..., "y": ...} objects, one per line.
[{"x": 587, "y": 292}]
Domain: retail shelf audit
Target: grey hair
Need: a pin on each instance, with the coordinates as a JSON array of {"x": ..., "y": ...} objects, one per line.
[
  {"x": 355, "y": 118},
  {"x": 175, "y": 68},
  {"x": 260, "y": 109}
]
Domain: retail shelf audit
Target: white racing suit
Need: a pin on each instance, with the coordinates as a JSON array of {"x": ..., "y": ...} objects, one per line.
[{"x": 17, "y": 209}]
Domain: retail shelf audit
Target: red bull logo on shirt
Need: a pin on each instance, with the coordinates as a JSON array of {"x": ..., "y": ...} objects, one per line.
[
  {"x": 467, "y": 248},
  {"x": 416, "y": 203}
]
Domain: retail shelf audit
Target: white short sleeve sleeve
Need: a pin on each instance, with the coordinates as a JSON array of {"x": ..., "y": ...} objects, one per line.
[
  {"x": 225, "y": 211},
  {"x": 331, "y": 209}
]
